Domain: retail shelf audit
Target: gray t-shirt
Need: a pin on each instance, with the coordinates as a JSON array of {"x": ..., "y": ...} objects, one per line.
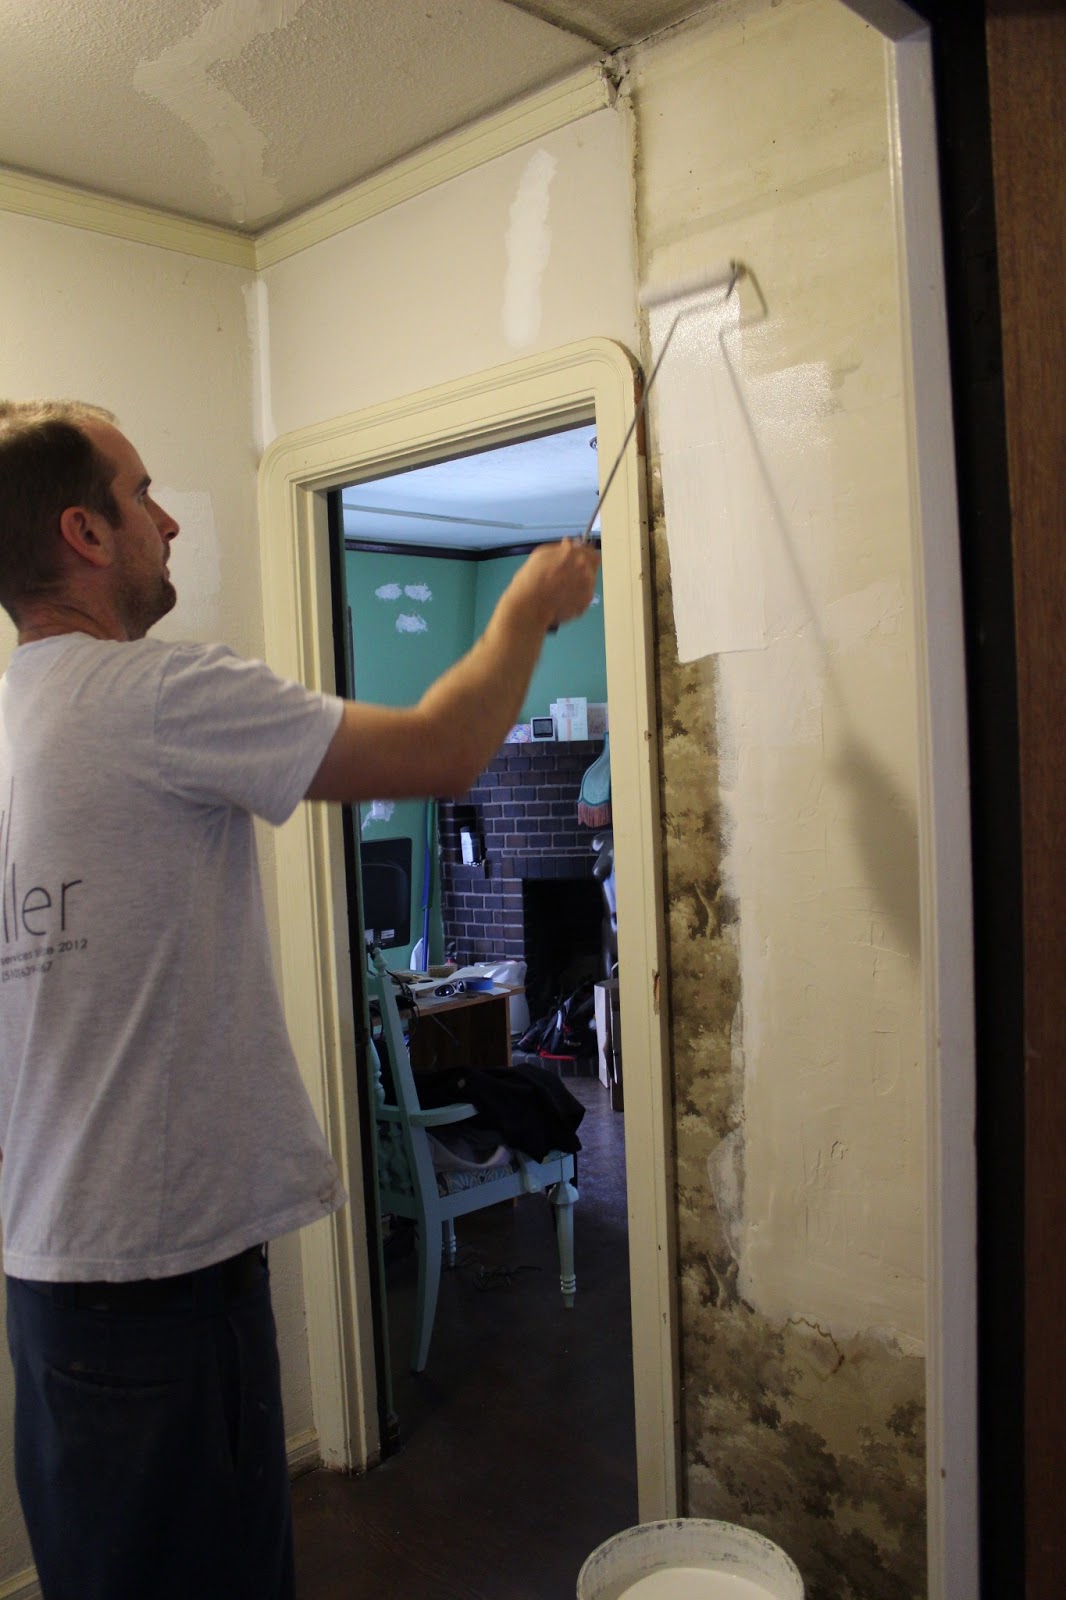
[{"x": 152, "y": 1118}]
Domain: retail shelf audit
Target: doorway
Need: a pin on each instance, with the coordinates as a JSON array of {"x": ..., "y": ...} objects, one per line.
[
  {"x": 594, "y": 377},
  {"x": 512, "y": 883}
]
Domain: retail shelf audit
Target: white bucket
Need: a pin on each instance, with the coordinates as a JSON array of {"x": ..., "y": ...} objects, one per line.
[{"x": 691, "y": 1558}]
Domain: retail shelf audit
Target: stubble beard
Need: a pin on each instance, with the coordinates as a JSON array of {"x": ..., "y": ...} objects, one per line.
[
  {"x": 166, "y": 600},
  {"x": 143, "y": 611}
]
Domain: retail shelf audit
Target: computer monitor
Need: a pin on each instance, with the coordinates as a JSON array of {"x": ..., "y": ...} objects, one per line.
[{"x": 386, "y": 873}]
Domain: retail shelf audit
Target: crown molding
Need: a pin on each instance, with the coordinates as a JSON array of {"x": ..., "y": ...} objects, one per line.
[
  {"x": 530, "y": 118},
  {"x": 123, "y": 219}
]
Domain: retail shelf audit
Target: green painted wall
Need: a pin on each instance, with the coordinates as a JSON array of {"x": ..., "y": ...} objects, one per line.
[
  {"x": 412, "y": 616},
  {"x": 572, "y": 662}
]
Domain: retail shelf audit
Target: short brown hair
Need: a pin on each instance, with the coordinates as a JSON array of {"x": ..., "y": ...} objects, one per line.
[{"x": 47, "y": 463}]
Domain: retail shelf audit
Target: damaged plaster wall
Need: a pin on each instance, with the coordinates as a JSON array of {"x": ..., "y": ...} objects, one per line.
[{"x": 789, "y": 760}]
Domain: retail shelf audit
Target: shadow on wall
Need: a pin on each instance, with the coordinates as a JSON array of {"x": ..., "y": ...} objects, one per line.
[
  {"x": 883, "y": 816},
  {"x": 886, "y": 832}
]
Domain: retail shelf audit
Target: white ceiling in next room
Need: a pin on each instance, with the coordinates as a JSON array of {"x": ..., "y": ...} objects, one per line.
[{"x": 518, "y": 494}]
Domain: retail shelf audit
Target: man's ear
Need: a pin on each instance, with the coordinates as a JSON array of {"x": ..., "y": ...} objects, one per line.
[{"x": 88, "y": 534}]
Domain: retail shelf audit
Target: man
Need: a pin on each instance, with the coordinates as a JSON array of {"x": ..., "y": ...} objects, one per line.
[{"x": 154, "y": 1130}]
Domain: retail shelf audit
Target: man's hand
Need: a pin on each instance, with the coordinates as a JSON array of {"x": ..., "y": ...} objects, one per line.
[{"x": 559, "y": 579}]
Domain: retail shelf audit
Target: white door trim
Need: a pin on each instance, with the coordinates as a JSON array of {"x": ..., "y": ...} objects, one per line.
[
  {"x": 944, "y": 842},
  {"x": 593, "y": 378}
]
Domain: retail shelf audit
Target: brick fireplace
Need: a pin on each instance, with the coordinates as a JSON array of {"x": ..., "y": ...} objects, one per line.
[{"x": 532, "y": 896}]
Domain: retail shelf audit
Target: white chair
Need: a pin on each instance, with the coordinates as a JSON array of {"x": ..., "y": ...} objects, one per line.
[{"x": 412, "y": 1184}]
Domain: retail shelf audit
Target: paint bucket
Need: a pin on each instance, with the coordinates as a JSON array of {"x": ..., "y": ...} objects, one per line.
[{"x": 690, "y": 1558}]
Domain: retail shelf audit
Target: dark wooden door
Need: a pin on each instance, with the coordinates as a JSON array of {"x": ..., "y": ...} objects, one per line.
[{"x": 1026, "y": 47}]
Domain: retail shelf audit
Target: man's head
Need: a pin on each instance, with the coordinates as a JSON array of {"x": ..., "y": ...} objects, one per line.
[{"x": 75, "y": 510}]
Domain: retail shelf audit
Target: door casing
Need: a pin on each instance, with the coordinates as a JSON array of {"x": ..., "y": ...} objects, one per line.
[{"x": 595, "y": 378}]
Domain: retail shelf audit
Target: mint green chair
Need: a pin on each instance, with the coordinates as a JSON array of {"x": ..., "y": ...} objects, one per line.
[{"x": 410, "y": 1184}]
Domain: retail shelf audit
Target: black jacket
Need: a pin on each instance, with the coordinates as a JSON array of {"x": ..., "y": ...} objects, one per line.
[{"x": 529, "y": 1106}]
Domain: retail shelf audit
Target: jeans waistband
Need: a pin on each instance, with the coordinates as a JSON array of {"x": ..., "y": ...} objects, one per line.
[{"x": 224, "y": 1280}]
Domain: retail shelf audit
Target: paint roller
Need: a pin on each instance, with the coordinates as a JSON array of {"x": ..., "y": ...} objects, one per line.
[{"x": 724, "y": 277}]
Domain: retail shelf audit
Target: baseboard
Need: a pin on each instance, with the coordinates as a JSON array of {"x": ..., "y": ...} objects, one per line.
[
  {"x": 303, "y": 1452},
  {"x": 23, "y": 1586},
  {"x": 304, "y": 1456}
]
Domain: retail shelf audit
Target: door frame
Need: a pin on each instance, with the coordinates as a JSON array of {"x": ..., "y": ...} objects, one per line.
[
  {"x": 593, "y": 378},
  {"x": 945, "y": 868}
]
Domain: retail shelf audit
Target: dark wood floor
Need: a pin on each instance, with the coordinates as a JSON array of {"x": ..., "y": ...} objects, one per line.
[{"x": 517, "y": 1454}]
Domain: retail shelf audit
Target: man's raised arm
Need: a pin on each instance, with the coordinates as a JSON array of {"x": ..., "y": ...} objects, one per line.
[{"x": 440, "y": 745}]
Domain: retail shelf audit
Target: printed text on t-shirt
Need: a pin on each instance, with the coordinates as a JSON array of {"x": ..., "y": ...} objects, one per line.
[{"x": 32, "y": 911}]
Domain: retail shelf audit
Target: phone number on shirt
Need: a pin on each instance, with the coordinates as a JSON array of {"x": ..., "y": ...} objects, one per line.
[{"x": 39, "y": 960}]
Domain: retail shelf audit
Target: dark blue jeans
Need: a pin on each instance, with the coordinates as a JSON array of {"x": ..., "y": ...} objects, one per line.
[{"x": 149, "y": 1440}]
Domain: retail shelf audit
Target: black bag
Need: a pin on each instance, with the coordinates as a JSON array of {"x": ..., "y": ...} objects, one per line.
[
  {"x": 565, "y": 1032},
  {"x": 526, "y": 1105}
]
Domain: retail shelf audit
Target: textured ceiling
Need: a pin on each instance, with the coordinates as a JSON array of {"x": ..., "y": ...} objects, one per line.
[{"x": 245, "y": 112}]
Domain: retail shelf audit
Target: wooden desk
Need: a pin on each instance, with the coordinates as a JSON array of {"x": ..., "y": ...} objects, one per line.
[{"x": 462, "y": 1030}]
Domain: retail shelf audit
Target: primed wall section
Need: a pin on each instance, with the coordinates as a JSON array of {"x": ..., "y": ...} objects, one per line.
[{"x": 789, "y": 782}]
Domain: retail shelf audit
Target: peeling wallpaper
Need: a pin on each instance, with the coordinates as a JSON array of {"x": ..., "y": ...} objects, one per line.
[{"x": 813, "y": 1440}]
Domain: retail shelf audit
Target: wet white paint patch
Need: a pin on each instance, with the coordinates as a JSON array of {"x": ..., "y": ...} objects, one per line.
[
  {"x": 418, "y": 591},
  {"x": 380, "y": 811},
  {"x": 528, "y": 250},
  {"x": 389, "y": 591},
  {"x": 715, "y": 560},
  {"x": 744, "y": 470},
  {"x": 179, "y": 78},
  {"x": 411, "y": 622}
]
